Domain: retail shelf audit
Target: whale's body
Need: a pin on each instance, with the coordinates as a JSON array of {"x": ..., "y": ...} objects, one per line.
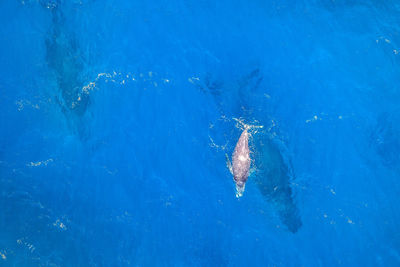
[
  {"x": 273, "y": 178},
  {"x": 66, "y": 61},
  {"x": 273, "y": 173},
  {"x": 241, "y": 163}
]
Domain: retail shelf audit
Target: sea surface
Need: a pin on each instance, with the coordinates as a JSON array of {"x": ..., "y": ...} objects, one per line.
[{"x": 118, "y": 120}]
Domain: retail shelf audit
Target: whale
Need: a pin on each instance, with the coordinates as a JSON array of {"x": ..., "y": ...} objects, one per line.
[
  {"x": 273, "y": 177},
  {"x": 271, "y": 172},
  {"x": 241, "y": 163},
  {"x": 66, "y": 62}
]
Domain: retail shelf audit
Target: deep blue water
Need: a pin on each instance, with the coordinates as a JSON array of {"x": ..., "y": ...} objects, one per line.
[{"x": 116, "y": 118}]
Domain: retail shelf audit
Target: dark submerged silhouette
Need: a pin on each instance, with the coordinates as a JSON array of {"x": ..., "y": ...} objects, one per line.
[
  {"x": 65, "y": 60},
  {"x": 273, "y": 177}
]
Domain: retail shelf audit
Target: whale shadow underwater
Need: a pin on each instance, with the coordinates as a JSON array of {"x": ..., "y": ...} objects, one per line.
[
  {"x": 65, "y": 60},
  {"x": 272, "y": 175},
  {"x": 273, "y": 178}
]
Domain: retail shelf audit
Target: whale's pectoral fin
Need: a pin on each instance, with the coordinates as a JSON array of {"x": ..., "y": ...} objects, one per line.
[
  {"x": 252, "y": 170},
  {"x": 229, "y": 164}
]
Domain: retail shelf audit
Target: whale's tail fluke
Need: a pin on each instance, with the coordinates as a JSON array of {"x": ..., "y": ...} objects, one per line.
[{"x": 240, "y": 189}]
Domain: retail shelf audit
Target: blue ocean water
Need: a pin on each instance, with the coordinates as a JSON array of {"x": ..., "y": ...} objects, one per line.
[{"x": 117, "y": 119}]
